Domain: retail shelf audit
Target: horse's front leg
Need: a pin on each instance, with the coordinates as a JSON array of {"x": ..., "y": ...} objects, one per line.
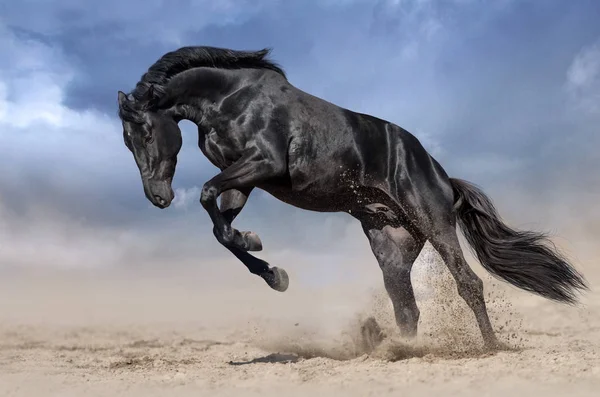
[
  {"x": 232, "y": 203},
  {"x": 234, "y": 184}
]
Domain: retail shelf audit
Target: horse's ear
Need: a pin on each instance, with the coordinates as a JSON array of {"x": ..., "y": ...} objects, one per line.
[{"x": 122, "y": 98}]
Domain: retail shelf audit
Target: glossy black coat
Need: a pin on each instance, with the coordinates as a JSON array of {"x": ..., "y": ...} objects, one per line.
[{"x": 262, "y": 132}]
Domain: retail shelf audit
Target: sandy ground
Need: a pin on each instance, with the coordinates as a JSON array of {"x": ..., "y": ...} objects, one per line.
[{"x": 109, "y": 334}]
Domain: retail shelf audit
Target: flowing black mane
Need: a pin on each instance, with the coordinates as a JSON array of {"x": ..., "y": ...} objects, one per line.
[{"x": 186, "y": 58}]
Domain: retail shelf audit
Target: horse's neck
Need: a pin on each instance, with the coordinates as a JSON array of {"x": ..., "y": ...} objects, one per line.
[
  {"x": 188, "y": 112},
  {"x": 196, "y": 91}
]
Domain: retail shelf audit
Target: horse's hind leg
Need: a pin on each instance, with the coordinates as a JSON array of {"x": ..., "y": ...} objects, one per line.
[
  {"x": 470, "y": 287},
  {"x": 396, "y": 251}
]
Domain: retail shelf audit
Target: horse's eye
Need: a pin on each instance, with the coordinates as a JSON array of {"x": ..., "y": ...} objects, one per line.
[{"x": 149, "y": 139}]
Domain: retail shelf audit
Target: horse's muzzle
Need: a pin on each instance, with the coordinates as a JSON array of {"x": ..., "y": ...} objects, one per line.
[{"x": 159, "y": 193}]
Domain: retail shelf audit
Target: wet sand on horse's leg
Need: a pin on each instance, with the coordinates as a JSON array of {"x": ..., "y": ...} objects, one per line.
[{"x": 103, "y": 333}]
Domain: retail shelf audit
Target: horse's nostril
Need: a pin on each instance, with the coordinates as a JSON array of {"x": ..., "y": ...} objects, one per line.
[{"x": 159, "y": 200}]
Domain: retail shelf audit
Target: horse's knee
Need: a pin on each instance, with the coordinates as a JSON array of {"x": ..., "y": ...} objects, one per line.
[{"x": 208, "y": 194}]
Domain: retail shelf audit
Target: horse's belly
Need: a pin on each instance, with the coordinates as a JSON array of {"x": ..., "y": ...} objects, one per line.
[{"x": 309, "y": 198}]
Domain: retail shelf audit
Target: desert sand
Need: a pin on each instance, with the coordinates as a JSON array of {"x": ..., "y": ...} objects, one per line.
[{"x": 184, "y": 332}]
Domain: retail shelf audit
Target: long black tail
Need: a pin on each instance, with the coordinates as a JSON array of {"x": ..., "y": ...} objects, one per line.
[{"x": 525, "y": 259}]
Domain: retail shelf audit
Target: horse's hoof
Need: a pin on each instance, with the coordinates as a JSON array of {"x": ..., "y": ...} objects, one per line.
[
  {"x": 371, "y": 335},
  {"x": 277, "y": 279},
  {"x": 253, "y": 241}
]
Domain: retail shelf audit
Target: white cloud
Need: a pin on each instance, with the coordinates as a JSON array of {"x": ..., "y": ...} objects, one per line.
[
  {"x": 32, "y": 91},
  {"x": 37, "y": 131},
  {"x": 186, "y": 197},
  {"x": 29, "y": 83},
  {"x": 583, "y": 79}
]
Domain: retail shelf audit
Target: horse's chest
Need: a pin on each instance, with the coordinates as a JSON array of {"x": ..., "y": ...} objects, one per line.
[{"x": 220, "y": 151}]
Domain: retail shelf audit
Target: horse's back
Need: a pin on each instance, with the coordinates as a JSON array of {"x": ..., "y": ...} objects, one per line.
[{"x": 332, "y": 148}]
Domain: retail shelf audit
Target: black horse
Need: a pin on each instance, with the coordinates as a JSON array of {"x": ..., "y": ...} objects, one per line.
[{"x": 262, "y": 132}]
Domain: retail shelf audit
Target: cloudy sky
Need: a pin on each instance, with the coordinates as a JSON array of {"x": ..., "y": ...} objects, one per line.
[{"x": 504, "y": 93}]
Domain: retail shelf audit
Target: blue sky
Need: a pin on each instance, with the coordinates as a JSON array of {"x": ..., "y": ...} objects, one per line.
[{"x": 504, "y": 93}]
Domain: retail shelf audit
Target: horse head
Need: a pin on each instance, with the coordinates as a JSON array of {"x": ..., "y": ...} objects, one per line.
[{"x": 154, "y": 139}]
